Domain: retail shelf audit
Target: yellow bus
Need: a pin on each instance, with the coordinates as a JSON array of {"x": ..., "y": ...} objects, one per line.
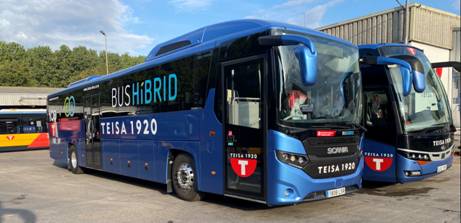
[{"x": 23, "y": 129}]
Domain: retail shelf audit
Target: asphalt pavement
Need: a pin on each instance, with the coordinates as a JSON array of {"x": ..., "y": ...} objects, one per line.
[{"x": 32, "y": 189}]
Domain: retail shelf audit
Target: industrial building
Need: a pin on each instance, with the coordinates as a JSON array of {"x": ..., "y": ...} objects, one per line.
[
  {"x": 24, "y": 97},
  {"x": 435, "y": 31}
]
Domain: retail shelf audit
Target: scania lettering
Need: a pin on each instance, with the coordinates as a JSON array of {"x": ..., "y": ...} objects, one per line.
[
  {"x": 410, "y": 132},
  {"x": 261, "y": 111}
]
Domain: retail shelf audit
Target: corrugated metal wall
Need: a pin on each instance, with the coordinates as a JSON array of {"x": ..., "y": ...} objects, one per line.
[
  {"x": 455, "y": 53},
  {"x": 433, "y": 27},
  {"x": 427, "y": 25},
  {"x": 24, "y": 96},
  {"x": 378, "y": 28}
]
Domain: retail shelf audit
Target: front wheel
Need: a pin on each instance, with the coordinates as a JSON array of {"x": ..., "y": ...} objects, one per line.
[
  {"x": 185, "y": 178},
  {"x": 73, "y": 162}
]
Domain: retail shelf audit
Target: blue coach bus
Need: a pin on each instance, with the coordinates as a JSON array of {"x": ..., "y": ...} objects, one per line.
[
  {"x": 250, "y": 109},
  {"x": 410, "y": 132}
]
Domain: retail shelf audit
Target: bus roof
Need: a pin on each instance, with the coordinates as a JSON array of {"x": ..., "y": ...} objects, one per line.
[
  {"x": 200, "y": 40},
  {"x": 379, "y": 45},
  {"x": 22, "y": 111}
]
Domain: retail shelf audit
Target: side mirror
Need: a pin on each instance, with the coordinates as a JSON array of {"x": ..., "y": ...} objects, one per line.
[
  {"x": 406, "y": 80},
  {"x": 405, "y": 70},
  {"x": 305, "y": 52},
  {"x": 419, "y": 81}
]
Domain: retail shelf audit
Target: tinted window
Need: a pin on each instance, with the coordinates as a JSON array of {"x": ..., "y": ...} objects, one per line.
[
  {"x": 23, "y": 124},
  {"x": 243, "y": 94},
  {"x": 9, "y": 126},
  {"x": 190, "y": 87}
]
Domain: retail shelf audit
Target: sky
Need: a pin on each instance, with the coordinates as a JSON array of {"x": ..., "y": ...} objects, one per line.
[{"x": 136, "y": 26}]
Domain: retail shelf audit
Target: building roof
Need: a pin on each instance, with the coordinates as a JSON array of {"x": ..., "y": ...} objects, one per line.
[
  {"x": 427, "y": 25},
  {"x": 24, "y": 96},
  {"x": 201, "y": 40}
]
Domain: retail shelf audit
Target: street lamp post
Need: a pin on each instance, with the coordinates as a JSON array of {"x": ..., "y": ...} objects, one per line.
[
  {"x": 406, "y": 28},
  {"x": 105, "y": 44}
]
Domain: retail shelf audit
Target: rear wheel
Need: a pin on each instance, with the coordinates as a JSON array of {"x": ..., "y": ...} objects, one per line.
[
  {"x": 185, "y": 178},
  {"x": 73, "y": 162}
]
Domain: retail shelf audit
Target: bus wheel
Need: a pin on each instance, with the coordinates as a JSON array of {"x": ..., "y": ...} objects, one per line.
[
  {"x": 185, "y": 178},
  {"x": 73, "y": 161}
]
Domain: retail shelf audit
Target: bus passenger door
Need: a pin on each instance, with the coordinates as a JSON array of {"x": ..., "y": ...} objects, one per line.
[
  {"x": 243, "y": 128},
  {"x": 92, "y": 132},
  {"x": 379, "y": 146}
]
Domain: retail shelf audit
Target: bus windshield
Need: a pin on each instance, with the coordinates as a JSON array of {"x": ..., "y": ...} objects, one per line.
[
  {"x": 336, "y": 96},
  {"x": 419, "y": 110}
]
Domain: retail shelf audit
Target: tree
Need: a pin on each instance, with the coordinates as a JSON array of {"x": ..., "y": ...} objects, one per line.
[
  {"x": 41, "y": 63},
  {"x": 41, "y": 66},
  {"x": 15, "y": 73}
]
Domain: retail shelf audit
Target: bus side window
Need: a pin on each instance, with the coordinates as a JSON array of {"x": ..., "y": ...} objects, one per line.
[
  {"x": 9, "y": 126},
  {"x": 243, "y": 95}
]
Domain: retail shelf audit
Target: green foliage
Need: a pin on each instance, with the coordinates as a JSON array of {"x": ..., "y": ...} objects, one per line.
[{"x": 41, "y": 66}]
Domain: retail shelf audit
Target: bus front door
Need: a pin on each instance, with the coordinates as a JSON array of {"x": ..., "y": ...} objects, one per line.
[
  {"x": 92, "y": 132},
  {"x": 243, "y": 128}
]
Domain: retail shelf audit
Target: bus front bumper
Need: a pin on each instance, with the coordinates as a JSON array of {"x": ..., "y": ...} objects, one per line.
[
  {"x": 410, "y": 170},
  {"x": 287, "y": 184}
]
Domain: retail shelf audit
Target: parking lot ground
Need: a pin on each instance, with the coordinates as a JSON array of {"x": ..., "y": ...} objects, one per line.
[{"x": 32, "y": 189}]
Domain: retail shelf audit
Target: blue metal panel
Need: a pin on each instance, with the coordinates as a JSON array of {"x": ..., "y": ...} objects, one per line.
[
  {"x": 161, "y": 163},
  {"x": 58, "y": 152},
  {"x": 211, "y": 150},
  {"x": 282, "y": 142},
  {"x": 128, "y": 155},
  {"x": 384, "y": 153},
  {"x": 81, "y": 152},
  {"x": 282, "y": 176},
  {"x": 111, "y": 155},
  {"x": 146, "y": 159}
]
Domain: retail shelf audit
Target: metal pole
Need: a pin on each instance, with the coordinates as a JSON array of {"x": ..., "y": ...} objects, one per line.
[
  {"x": 107, "y": 60},
  {"x": 407, "y": 22},
  {"x": 105, "y": 45}
]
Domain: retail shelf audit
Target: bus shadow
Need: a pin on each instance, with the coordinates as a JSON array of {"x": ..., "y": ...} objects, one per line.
[
  {"x": 234, "y": 203},
  {"x": 210, "y": 198},
  {"x": 375, "y": 185},
  {"x": 25, "y": 215},
  {"x": 128, "y": 180}
]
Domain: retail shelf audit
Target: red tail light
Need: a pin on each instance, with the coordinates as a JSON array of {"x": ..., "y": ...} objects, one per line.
[{"x": 326, "y": 133}]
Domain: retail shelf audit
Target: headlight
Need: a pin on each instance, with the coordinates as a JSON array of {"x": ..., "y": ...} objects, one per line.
[
  {"x": 293, "y": 159},
  {"x": 416, "y": 156}
]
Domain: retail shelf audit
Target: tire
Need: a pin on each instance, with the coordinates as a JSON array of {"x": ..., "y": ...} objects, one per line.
[
  {"x": 185, "y": 178},
  {"x": 73, "y": 161}
]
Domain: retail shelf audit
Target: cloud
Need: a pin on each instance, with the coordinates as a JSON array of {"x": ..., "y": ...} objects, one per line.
[
  {"x": 190, "y": 5},
  {"x": 298, "y": 12},
  {"x": 74, "y": 23}
]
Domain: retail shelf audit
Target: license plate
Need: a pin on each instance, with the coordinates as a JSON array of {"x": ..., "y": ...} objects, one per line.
[
  {"x": 441, "y": 168},
  {"x": 335, "y": 192}
]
